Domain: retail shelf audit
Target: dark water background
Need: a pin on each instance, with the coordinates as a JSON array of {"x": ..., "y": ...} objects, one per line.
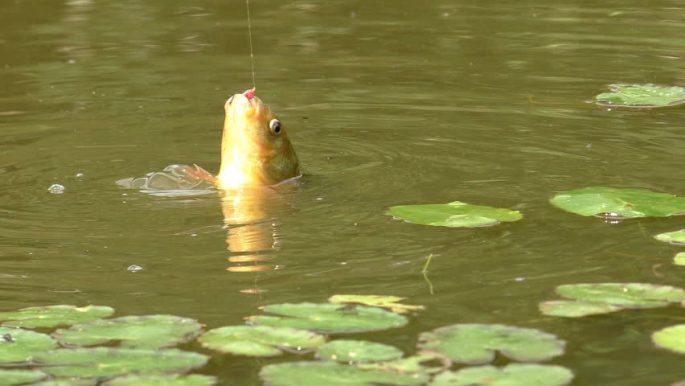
[{"x": 387, "y": 102}]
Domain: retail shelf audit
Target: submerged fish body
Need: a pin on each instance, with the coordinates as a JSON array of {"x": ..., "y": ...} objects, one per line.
[{"x": 255, "y": 151}]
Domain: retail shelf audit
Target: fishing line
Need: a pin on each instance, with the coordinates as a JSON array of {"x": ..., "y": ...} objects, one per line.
[{"x": 249, "y": 29}]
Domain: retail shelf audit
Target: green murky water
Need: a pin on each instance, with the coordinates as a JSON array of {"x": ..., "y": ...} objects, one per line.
[{"x": 388, "y": 103}]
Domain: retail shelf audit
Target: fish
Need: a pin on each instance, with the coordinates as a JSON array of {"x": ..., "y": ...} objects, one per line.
[{"x": 255, "y": 151}]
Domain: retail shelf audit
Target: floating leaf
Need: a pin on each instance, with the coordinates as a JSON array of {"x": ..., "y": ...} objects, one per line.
[
  {"x": 671, "y": 338},
  {"x": 164, "y": 380},
  {"x": 641, "y": 95},
  {"x": 17, "y": 345},
  {"x": 454, "y": 214},
  {"x": 511, "y": 375},
  {"x": 422, "y": 364},
  {"x": 617, "y": 203},
  {"x": 111, "y": 362},
  {"x": 477, "y": 343},
  {"x": 329, "y": 318},
  {"x": 260, "y": 341},
  {"x": 677, "y": 237},
  {"x": 53, "y": 316},
  {"x": 153, "y": 331},
  {"x": 352, "y": 351},
  {"x": 66, "y": 382},
  {"x": 333, "y": 374},
  {"x": 20, "y": 377},
  {"x": 390, "y": 302},
  {"x": 576, "y": 309},
  {"x": 625, "y": 295},
  {"x": 679, "y": 258}
]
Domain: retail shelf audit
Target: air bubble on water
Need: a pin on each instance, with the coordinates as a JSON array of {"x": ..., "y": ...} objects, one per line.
[
  {"x": 134, "y": 268},
  {"x": 80, "y": 175},
  {"x": 56, "y": 189},
  {"x": 520, "y": 279}
]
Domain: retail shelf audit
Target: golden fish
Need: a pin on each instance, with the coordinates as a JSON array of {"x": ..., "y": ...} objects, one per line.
[{"x": 255, "y": 149}]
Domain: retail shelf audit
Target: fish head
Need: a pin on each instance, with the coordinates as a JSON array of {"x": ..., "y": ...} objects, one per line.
[{"x": 255, "y": 149}]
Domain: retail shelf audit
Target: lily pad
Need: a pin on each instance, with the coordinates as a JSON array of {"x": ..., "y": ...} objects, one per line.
[
  {"x": 454, "y": 214},
  {"x": 66, "y": 382},
  {"x": 353, "y": 351},
  {"x": 111, "y": 362},
  {"x": 17, "y": 345},
  {"x": 671, "y": 338},
  {"x": 422, "y": 364},
  {"x": 165, "y": 380},
  {"x": 390, "y": 302},
  {"x": 619, "y": 203},
  {"x": 329, "y": 318},
  {"x": 576, "y": 309},
  {"x": 260, "y": 341},
  {"x": 625, "y": 295},
  {"x": 679, "y": 259},
  {"x": 477, "y": 343},
  {"x": 677, "y": 237},
  {"x": 153, "y": 331},
  {"x": 20, "y": 377},
  {"x": 511, "y": 375},
  {"x": 53, "y": 316},
  {"x": 333, "y": 374},
  {"x": 641, "y": 95}
]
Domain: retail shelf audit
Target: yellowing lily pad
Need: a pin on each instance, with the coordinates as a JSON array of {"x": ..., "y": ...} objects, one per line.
[
  {"x": 153, "y": 331},
  {"x": 354, "y": 351},
  {"x": 260, "y": 341},
  {"x": 619, "y": 203},
  {"x": 477, "y": 343},
  {"x": 390, "y": 302},
  {"x": 20, "y": 377},
  {"x": 511, "y": 375},
  {"x": 328, "y": 318},
  {"x": 111, "y": 362},
  {"x": 333, "y": 374},
  {"x": 677, "y": 237},
  {"x": 641, "y": 95},
  {"x": 454, "y": 214},
  {"x": 679, "y": 259},
  {"x": 576, "y": 309},
  {"x": 17, "y": 345},
  {"x": 671, "y": 338},
  {"x": 163, "y": 380},
  {"x": 53, "y": 316},
  {"x": 625, "y": 295}
]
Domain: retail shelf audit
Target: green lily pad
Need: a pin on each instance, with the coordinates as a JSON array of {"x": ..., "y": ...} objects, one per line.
[
  {"x": 153, "y": 331},
  {"x": 625, "y": 295},
  {"x": 511, "y": 375},
  {"x": 333, "y": 374},
  {"x": 353, "y": 351},
  {"x": 164, "y": 380},
  {"x": 20, "y": 377},
  {"x": 111, "y": 362},
  {"x": 67, "y": 382},
  {"x": 390, "y": 302},
  {"x": 17, "y": 345},
  {"x": 679, "y": 259},
  {"x": 260, "y": 341},
  {"x": 671, "y": 338},
  {"x": 641, "y": 95},
  {"x": 477, "y": 343},
  {"x": 329, "y": 318},
  {"x": 454, "y": 214},
  {"x": 618, "y": 203},
  {"x": 576, "y": 309},
  {"x": 677, "y": 237},
  {"x": 53, "y": 316},
  {"x": 422, "y": 364}
]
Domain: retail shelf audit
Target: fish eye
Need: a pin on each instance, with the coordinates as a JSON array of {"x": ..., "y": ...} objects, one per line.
[
  {"x": 230, "y": 100},
  {"x": 275, "y": 126}
]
